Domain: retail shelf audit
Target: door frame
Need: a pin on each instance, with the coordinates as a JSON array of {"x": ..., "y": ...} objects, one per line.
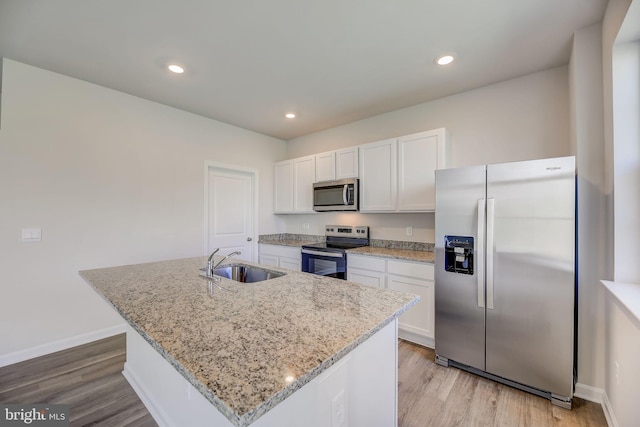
[{"x": 210, "y": 165}]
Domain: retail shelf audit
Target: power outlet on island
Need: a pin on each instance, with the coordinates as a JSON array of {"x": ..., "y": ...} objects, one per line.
[{"x": 338, "y": 410}]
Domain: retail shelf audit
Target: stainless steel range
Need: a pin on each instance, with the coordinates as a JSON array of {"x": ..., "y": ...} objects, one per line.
[{"x": 330, "y": 258}]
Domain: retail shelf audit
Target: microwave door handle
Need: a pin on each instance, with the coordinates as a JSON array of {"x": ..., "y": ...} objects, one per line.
[{"x": 345, "y": 194}]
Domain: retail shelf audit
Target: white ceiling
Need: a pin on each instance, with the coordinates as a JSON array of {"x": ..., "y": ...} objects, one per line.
[{"x": 332, "y": 62}]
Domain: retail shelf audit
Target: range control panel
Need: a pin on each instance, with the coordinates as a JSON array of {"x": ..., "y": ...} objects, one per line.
[{"x": 358, "y": 231}]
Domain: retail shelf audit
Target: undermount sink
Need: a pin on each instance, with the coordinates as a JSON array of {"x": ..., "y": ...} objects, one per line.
[{"x": 246, "y": 273}]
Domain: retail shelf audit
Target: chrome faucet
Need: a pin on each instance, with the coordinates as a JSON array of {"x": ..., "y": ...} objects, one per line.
[{"x": 211, "y": 266}]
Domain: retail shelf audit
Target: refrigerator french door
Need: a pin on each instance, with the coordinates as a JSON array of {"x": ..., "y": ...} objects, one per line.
[{"x": 505, "y": 285}]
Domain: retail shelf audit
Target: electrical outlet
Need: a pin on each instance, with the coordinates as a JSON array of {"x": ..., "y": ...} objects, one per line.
[
  {"x": 409, "y": 231},
  {"x": 338, "y": 408}
]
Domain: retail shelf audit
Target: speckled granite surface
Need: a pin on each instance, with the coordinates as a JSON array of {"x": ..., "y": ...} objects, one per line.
[
  {"x": 409, "y": 255},
  {"x": 249, "y": 347},
  {"x": 288, "y": 239},
  {"x": 412, "y": 251}
]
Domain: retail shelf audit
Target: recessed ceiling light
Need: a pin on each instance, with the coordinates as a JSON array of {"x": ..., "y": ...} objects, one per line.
[
  {"x": 176, "y": 69},
  {"x": 444, "y": 60},
  {"x": 290, "y": 116}
]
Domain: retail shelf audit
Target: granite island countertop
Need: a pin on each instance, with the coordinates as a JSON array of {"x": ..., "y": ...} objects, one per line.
[{"x": 249, "y": 347}]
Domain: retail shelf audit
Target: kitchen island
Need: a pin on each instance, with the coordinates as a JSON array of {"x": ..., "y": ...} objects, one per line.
[{"x": 296, "y": 349}]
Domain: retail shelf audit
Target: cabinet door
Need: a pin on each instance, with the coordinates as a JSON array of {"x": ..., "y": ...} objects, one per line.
[
  {"x": 326, "y": 166},
  {"x": 304, "y": 174},
  {"x": 283, "y": 187},
  {"x": 268, "y": 259},
  {"x": 290, "y": 263},
  {"x": 347, "y": 163},
  {"x": 375, "y": 279},
  {"x": 419, "y": 156},
  {"x": 378, "y": 176},
  {"x": 417, "y": 324},
  {"x": 419, "y": 319}
]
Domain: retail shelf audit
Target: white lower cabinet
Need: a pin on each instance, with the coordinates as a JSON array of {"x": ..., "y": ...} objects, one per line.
[
  {"x": 366, "y": 270},
  {"x": 288, "y": 257},
  {"x": 417, "y": 324}
]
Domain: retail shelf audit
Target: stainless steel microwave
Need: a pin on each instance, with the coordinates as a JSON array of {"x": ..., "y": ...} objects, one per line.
[{"x": 339, "y": 195}]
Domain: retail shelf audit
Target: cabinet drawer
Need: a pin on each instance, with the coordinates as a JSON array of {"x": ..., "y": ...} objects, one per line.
[
  {"x": 366, "y": 262},
  {"x": 280, "y": 251},
  {"x": 420, "y": 270}
]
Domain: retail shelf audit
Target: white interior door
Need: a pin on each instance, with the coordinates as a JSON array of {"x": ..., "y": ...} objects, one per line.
[{"x": 230, "y": 211}]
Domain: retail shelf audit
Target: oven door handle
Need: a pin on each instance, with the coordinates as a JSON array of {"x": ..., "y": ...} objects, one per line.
[{"x": 318, "y": 253}]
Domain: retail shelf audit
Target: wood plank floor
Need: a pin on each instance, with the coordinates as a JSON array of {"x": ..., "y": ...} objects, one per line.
[
  {"x": 88, "y": 378},
  {"x": 432, "y": 395},
  {"x": 107, "y": 402}
]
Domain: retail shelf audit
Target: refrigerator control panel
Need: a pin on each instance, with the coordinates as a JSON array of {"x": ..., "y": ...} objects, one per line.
[{"x": 458, "y": 254}]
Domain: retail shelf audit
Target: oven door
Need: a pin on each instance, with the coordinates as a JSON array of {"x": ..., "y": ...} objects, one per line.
[{"x": 330, "y": 264}]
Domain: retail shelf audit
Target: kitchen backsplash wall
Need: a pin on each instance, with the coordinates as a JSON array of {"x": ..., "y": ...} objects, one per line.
[{"x": 381, "y": 226}]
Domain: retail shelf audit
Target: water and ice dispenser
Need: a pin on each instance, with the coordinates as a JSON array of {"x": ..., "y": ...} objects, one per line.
[{"x": 458, "y": 254}]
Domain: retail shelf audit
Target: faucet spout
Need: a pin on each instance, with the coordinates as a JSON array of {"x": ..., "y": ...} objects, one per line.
[{"x": 210, "y": 264}]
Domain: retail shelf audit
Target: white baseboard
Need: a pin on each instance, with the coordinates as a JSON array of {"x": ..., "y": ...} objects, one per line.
[
  {"x": 608, "y": 411},
  {"x": 416, "y": 338},
  {"x": 590, "y": 393},
  {"x": 155, "y": 410},
  {"x": 63, "y": 344},
  {"x": 597, "y": 395}
]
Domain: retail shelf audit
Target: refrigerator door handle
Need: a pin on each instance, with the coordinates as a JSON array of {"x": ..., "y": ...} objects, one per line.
[
  {"x": 480, "y": 252},
  {"x": 490, "y": 249}
]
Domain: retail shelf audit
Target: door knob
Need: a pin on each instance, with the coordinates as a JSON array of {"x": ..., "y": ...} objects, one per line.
[{"x": 249, "y": 239}]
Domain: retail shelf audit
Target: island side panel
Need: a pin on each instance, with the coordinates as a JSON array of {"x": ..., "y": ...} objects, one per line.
[
  {"x": 373, "y": 380},
  {"x": 169, "y": 397}
]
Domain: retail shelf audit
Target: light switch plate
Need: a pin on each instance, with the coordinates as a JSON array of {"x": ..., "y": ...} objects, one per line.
[{"x": 31, "y": 234}]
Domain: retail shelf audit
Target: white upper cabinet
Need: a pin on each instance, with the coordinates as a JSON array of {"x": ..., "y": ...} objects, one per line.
[
  {"x": 293, "y": 185},
  {"x": 283, "y": 187},
  {"x": 419, "y": 156},
  {"x": 347, "y": 163},
  {"x": 338, "y": 164},
  {"x": 378, "y": 176},
  {"x": 396, "y": 175},
  {"x": 326, "y": 166},
  {"x": 304, "y": 175}
]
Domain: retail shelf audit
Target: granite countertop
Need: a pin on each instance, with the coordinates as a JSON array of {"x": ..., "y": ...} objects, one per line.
[
  {"x": 249, "y": 347},
  {"x": 411, "y": 251},
  {"x": 404, "y": 254},
  {"x": 286, "y": 242}
]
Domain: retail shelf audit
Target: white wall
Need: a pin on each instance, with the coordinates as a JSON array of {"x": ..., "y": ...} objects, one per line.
[
  {"x": 587, "y": 140},
  {"x": 519, "y": 119},
  {"x": 111, "y": 179},
  {"x": 626, "y": 129},
  {"x": 621, "y": 66}
]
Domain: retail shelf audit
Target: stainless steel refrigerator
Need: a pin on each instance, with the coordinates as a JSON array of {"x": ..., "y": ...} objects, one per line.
[{"x": 505, "y": 284}]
